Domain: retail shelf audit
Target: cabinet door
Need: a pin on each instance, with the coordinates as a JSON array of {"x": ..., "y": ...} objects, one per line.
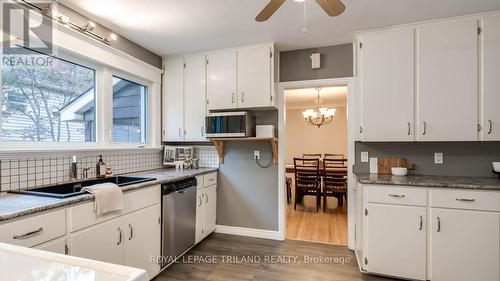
[
  {"x": 194, "y": 98},
  {"x": 210, "y": 210},
  {"x": 142, "y": 239},
  {"x": 447, "y": 81},
  {"x": 490, "y": 117},
  {"x": 200, "y": 205},
  {"x": 254, "y": 77},
  {"x": 395, "y": 240},
  {"x": 173, "y": 100},
  {"x": 221, "y": 80},
  {"x": 464, "y": 245},
  {"x": 388, "y": 85},
  {"x": 102, "y": 242},
  {"x": 55, "y": 246}
]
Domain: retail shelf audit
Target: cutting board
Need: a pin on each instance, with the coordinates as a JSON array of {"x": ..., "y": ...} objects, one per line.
[{"x": 384, "y": 164}]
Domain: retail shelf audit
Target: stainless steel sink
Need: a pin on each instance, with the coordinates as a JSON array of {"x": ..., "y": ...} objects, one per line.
[{"x": 74, "y": 188}]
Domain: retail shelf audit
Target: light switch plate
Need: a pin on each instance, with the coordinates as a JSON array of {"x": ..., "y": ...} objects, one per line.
[
  {"x": 373, "y": 165},
  {"x": 438, "y": 158},
  {"x": 364, "y": 156},
  {"x": 256, "y": 155}
]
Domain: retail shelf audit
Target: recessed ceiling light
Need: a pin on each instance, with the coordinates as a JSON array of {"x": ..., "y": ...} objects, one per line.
[{"x": 299, "y": 1}]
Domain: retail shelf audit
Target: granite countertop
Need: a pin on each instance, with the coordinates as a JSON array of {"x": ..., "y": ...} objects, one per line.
[
  {"x": 481, "y": 183},
  {"x": 14, "y": 205}
]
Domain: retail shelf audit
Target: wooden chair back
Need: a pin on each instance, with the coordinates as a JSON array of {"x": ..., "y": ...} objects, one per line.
[
  {"x": 311, "y": 156},
  {"x": 335, "y": 173},
  {"x": 306, "y": 172},
  {"x": 334, "y": 156}
]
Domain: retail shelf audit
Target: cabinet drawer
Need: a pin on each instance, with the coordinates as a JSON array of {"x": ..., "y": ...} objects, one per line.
[
  {"x": 209, "y": 179},
  {"x": 34, "y": 230},
  {"x": 400, "y": 195},
  {"x": 83, "y": 215},
  {"x": 466, "y": 199}
]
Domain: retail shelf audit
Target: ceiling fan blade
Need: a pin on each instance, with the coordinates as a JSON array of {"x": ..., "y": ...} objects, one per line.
[
  {"x": 332, "y": 7},
  {"x": 269, "y": 10}
]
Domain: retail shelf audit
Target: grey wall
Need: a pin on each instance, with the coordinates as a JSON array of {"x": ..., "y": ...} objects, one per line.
[
  {"x": 460, "y": 158},
  {"x": 122, "y": 43},
  {"x": 336, "y": 62},
  {"x": 247, "y": 195}
]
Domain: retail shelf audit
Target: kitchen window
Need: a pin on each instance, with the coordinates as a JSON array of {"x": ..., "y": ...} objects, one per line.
[
  {"x": 129, "y": 111},
  {"x": 46, "y": 99}
]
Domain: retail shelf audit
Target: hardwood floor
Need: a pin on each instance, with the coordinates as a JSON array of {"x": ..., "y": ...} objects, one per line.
[
  {"x": 222, "y": 246},
  {"x": 307, "y": 224}
]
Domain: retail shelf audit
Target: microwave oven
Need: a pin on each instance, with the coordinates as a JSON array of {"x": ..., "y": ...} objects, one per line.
[{"x": 229, "y": 124}]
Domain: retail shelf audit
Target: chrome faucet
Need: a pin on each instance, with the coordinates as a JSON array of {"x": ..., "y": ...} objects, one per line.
[{"x": 73, "y": 172}]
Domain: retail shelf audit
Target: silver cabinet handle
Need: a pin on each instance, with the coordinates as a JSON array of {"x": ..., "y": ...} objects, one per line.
[
  {"x": 425, "y": 128},
  {"x": 466, "y": 199},
  {"x": 199, "y": 204},
  {"x": 439, "y": 224},
  {"x": 360, "y": 129},
  {"x": 421, "y": 223},
  {"x": 409, "y": 128},
  {"x": 242, "y": 97},
  {"x": 232, "y": 97},
  {"x": 397, "y": 195},
  {"x": 27, "y": 234},
  {"x": 131, "y": 232},
  {"x": 491, "y": 127},
  {"x": 202, "y": 131},
  {"x": 180, "y": 132},
  {"x": 206, "y": 198},
  {"x": 120, "y": 237}
]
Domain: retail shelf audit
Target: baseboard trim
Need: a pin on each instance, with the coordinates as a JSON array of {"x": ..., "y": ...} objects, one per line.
[{"x": 250, "y": 232}]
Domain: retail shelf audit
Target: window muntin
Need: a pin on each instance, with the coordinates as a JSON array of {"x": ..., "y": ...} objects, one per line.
[
  {"x": 129, "y": 111},
  {"x": 46, "y": 99}
]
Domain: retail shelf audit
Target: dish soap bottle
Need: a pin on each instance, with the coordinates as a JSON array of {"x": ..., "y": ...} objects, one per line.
[{"x": 100, "y": 168}]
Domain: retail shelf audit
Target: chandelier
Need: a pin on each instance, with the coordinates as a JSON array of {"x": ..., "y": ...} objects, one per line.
[{"x": 319, "y": 116}]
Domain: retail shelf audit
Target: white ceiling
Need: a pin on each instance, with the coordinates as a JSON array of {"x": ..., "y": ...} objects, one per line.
[
  {"x": 307, "y": 97},
  {"x": 169, "y": 27}
]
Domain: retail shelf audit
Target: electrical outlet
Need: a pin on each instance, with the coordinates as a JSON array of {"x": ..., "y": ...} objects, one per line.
[
  {"x": 364, "y": 156},
  {"x": 256, "y": 155},
  {"x": 438, "y": 158}
]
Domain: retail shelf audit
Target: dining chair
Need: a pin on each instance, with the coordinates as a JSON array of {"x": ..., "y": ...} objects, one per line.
[
  {"x": 307, "y": 180},
  {"x": 288, "y": 189},
  {"x": 334, "y": 181}
]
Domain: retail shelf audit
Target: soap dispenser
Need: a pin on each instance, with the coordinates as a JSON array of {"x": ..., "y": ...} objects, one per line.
[{"x": 100, "y": 168}]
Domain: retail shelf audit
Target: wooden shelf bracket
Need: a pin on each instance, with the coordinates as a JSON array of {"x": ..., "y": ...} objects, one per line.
[{"x": 219, "y": 146}]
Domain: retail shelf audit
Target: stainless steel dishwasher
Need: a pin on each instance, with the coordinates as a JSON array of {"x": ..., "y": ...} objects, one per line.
[{"x": 178, "y": 210}]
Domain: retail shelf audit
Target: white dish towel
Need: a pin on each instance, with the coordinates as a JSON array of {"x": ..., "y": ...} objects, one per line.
[{"x": 108, "y": 197}]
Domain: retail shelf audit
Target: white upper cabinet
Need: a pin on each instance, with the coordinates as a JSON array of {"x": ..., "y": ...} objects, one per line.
[
  {"x": 221, "y": 80},
  {"x": 490, "y": 117},
  {"x": 387, "y": 75},
  {"x": 194, "y": 98},
  {"x": 447, "y": 95},
  {"x": 254, "y": 77},
  {"x": 173, "y": 99}
]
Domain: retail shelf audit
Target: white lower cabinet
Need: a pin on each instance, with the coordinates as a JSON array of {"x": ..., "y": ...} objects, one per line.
[
  {"x": 395, "y": 239},
  {"x": 102, "y": 242},
  {"x": 430, "y": 234},
  {"x": 142, "y": 239},
  {"x": 206, "y": 208},
  {"x": 464, "y": 245},
  {"x": 129, "y": 240}
]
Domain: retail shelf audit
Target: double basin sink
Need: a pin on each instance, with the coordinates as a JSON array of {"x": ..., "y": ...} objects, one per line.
[{"x": 74, "y": 188}]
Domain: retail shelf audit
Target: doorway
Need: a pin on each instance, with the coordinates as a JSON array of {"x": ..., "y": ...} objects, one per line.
[{"x": 301, "y": 221}]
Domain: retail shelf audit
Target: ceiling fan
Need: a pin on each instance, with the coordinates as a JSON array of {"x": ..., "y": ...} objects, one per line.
[{"x": 331, "y": 7}]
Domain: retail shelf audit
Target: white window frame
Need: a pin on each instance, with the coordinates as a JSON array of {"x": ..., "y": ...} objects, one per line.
[{"x": 75, "y": 47}]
